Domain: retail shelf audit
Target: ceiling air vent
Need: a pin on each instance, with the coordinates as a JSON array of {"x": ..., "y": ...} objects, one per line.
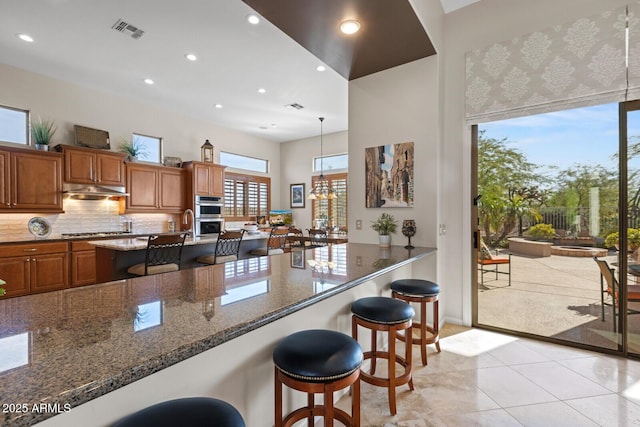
[
  {"x": 295, "y": 105},
  {"x": 126, "y": 28}
]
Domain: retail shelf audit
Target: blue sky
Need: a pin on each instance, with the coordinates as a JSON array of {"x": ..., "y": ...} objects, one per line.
[{"x": 586, "y": 135}]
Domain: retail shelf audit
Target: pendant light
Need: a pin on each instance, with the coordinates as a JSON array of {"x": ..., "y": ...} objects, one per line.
[{"x": 321, "y": 190}]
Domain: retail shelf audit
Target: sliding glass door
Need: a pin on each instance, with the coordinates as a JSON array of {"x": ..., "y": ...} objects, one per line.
[{"x": 552, "y": 210}]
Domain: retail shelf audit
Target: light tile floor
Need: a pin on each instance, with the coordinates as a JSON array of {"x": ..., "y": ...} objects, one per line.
[{"x": 483, "y": 378}]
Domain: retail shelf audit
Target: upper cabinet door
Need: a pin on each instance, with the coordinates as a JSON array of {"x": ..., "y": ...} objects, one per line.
[
  {"x": 110, "y": 169},
  {"x": 79, "y": 167},
  {"x": 36, "y": 181},
  {"x": 172, "y": 184},
  {"x": 202, "y": 175},
  {"x": 142, "y": 185}
]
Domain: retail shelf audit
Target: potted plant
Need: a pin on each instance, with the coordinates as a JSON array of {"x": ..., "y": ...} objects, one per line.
[
  {"x": 133, "y": 149},
  {"x": 384, "y": 225},
  {"x": 2, "y": 290},
  {"x": 633, "y": 239},
  {"x": 41, "y": 133}
]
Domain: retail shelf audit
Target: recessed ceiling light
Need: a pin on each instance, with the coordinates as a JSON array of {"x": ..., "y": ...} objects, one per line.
[
  {"x": 350, "y": 27},
  {"x": 321, "y": 68},
  {"x": 191, "y": 57},
  {"x": 253, "y": 19},
  {"x": 149, "y": 81},
  {"x": 273, "y": 125},
  {"x": 262, "y": 90},
  {"x": 263, "y": 127},
  {"x": 218, "y": 106},
  {"x": 25, "y": 37}
]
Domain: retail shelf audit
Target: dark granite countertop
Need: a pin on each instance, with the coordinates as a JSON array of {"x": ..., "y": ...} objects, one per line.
[{"x": 67, "y": 347}]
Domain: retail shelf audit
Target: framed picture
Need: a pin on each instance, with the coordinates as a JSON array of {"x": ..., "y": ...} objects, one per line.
[
  {"x": 297, "y": 195},
  {"x": 389, "y": 176},
  {"x": 297, "y": 259}
]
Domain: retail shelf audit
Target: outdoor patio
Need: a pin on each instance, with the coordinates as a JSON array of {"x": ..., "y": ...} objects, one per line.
[{"x": 554, "y": 296}]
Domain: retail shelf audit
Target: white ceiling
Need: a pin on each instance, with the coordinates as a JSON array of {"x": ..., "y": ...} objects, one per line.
[{"x": 74, "y": 41}]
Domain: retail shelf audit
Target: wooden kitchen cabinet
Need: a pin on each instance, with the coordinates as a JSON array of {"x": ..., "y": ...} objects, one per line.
[
  {"x": 83, "y": 264},
  {"x": 35, "y": 267},
  {"x": 31, "y": 181},
  {"x": 207, "y": 179},
  {"x": 92, "y": 166},
  {"x": 158, "y": 189}
]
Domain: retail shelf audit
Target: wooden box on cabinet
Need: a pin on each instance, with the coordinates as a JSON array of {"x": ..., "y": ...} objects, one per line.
[
  {"x": 30, "y": 181},
  {"x": 92, "y": 166}
]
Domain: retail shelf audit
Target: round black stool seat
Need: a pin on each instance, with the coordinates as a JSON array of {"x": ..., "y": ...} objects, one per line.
[
  {"x": 422, "y": 292},
  {"x": 190, "y": 411},
  {"x": 318, "y": 362},
  {"x": 317, "y": 355},
  {"x": 382, "y": 310},
  {"x": 415, "y": 287}
]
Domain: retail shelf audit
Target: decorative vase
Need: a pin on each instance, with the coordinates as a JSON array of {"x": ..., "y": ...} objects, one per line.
[
  {"x": 384, "y": 240},
  {"x": 41, "y": 147}
]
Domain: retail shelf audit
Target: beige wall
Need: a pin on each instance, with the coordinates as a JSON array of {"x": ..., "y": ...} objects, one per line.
[{"x": 297, "y": 163}]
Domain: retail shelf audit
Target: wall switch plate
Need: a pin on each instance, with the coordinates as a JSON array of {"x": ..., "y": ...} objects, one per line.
[
  {"x": 442, "y": 229},
  {"x": 358, "y": 224}
]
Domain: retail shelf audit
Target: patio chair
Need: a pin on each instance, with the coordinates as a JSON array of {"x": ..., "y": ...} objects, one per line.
[
  {"x": 612, "y": 289},
  {"x": 486, "y": 260}
]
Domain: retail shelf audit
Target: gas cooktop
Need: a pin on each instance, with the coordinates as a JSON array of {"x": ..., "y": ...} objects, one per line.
[{"x": 92, "y": 234}]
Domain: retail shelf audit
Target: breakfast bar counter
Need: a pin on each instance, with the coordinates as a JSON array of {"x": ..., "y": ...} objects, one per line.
[{"x": 88, "y": 356}]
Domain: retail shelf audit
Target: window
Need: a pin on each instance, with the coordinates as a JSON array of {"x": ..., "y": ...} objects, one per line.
[
  {"x": 246, "y": 196},
  {"x": 333, "y": 162},
  {"x": 14, "y": 125},
  {"x": 151, "y": 147},
  {"x": 244, "y": 162},
  {"x": 331, "y": 212}
]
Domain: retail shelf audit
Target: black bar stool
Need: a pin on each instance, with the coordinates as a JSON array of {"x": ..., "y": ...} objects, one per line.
[
  {"x": 188, "y": 411},
  {"x": 423, "y": 292},
  {"x": 387, "y": 315},
  {"x": 318, "y": 362}
]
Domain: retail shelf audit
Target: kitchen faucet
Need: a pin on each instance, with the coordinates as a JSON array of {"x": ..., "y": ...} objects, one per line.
[{"x": 189, "y": 213}]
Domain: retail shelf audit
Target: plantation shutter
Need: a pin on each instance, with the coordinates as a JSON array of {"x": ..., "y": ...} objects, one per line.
[
  {"x": 567, "y": 66},
  {"x": 245, "y": 197},
  {"x": 333, "y": 211}
]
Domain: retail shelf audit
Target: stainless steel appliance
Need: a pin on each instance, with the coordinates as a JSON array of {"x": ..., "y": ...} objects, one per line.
[
  {"x": 208, "y": 207},
  {"x": 209, "y": 226}
]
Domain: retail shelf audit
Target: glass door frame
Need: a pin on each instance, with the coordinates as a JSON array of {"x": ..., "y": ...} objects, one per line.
[{"x": 622, "y": 336}]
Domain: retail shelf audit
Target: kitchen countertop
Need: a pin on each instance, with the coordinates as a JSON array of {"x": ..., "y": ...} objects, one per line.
[{"x": 65, "y": 348}]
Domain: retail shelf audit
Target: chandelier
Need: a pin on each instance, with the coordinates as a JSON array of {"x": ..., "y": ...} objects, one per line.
[{"x": 321, "y": 189}]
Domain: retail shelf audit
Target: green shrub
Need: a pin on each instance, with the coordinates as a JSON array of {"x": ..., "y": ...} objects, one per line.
[
  {"x": 633, "y": 239},
  {"x": 542, "y": 231}
]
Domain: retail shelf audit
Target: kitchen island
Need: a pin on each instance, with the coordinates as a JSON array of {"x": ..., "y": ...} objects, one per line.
[
  {"x": 93, "y": 354},
  {"x": 115, "y": 256}
]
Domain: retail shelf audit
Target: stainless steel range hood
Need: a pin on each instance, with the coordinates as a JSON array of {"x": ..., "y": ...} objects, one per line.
[{"x": 92, "y": 192}]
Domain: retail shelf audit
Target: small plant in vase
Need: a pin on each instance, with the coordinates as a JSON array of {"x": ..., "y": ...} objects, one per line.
[
  {"x": 384, "y": 225},
  {"x": 133, "y": 149},
  {"x": 2, "y": 290},
  {"x": 41, "y": 133}
]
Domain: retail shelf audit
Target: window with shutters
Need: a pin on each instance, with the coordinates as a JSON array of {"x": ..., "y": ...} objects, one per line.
[
  {"x": 331, "y": 212},
  {"x": 245, "y": 196}
]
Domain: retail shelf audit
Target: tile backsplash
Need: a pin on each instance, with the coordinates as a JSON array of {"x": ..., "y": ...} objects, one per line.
[{"x": 84, "y": 216}]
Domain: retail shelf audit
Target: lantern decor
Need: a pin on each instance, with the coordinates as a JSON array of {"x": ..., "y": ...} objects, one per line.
[
  {"x": 409, "y": 229},
  {"x": 207, "y": 152}
]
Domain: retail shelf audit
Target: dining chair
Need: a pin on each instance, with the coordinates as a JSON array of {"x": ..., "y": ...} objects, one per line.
[
  {"x": 295, "y": 241},
  {"x": 276, "y": 243},
  {"x": 227, "y": 248},
  {"x": 163, "y": 255},
  {"x": 612, "y": 289},
  {"x": 317, "y": 237}
]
